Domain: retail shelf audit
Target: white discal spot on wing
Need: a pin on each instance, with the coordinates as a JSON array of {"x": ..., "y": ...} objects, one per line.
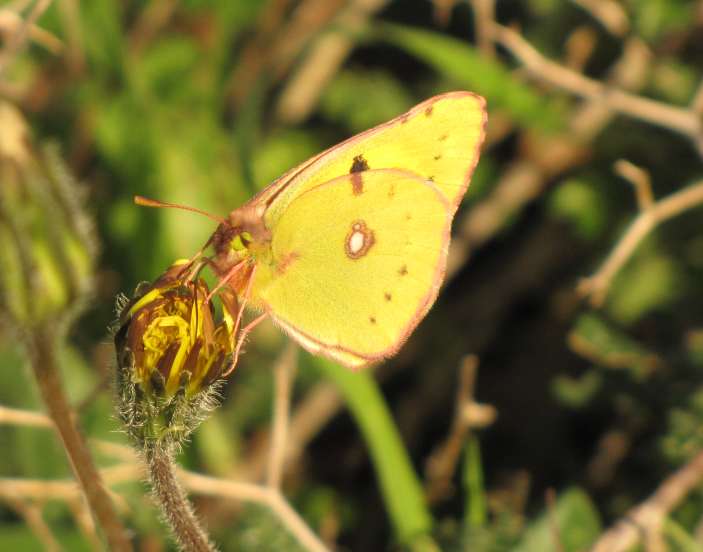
[
  {"x": 356, "y": 242},
  {"x": 359, "y": 240}
]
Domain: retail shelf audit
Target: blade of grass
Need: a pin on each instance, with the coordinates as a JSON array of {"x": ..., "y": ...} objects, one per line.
[
  {"x": 475, "y": 508},
  {"x": 400, "y": 486}
]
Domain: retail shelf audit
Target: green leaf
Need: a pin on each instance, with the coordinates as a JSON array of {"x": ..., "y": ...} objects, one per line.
[
  {"x": 580, "y": 203},
  {"x": 577, "y": 524},
  {"x": 475, "y": 505},
  {"x": 363, "y": 99},
  {"x": 400, "y": 486},
  {"x": 607, "y": 345},
  {"x": 576, "y": 392},
  {"x": 650, "y": 281},
  {"x": 462, "y": 64}
]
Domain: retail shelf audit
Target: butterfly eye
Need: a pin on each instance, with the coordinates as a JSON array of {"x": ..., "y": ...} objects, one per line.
[{"x": 241, "y": 241}]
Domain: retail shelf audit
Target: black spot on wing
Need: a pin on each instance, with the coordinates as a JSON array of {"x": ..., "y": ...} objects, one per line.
[{"x": 359, "y": 164}]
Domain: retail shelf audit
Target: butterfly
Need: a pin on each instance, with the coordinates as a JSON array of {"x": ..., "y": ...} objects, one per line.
[{"x": 346, "y": 252}]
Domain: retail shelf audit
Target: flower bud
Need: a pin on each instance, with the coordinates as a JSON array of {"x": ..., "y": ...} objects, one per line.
[
  {"x": 170, "y": 356},
  {"x": 47, "y": 246}
]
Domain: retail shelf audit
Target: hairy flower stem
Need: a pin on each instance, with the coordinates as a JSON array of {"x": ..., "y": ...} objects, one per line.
[
  {"x": 173, "y": 500},
  {"x": 43, "y": 347}
]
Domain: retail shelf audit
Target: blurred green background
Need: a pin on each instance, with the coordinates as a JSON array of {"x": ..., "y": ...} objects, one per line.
[{"x": 203, "y": 103}]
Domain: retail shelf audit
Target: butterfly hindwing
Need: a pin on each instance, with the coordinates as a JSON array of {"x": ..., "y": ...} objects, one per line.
[{"x": 356, "y": 262}]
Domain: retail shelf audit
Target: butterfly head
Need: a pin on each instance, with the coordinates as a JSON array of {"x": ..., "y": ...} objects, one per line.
[{"x": 242, "y": 234}]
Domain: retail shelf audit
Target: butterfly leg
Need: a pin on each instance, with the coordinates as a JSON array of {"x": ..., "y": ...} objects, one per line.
[
  {"x": 237, "y": 324},
  {"x": 223, "y": 281},
  {"x": 242, "y": 337}
]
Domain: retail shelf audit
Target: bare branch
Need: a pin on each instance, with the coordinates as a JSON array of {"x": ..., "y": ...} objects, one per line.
[
  {"x": 14, "y": 416},
  {"x": 329, "y": 51},
  {"x": 283, "y": 374},
  {"x": 682, "y": 120},
  {"x": 205, "y": 485},
  {"x": 554, "y": 529},
  {"x": 608, "y": 13},
  {"x": 18, "y": 40},
  {"x": 42, "y": 352},
  {"x": 11, "y": 23},
  {"x": 647, "y": 518},
  {"x": 546, "y": 158},
  {"x": 484, "y": 13},
  {"x": 85, "y": 522},
  {"x": 467, "y": 414},
  {"x": 597, "y": 286},
  {"x": 32, "y": 515},
  {"x": 639, "y": 178}
]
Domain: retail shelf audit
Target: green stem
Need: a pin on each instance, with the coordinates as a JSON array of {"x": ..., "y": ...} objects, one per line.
[
  {"x": 475, "y": 511},
  {"x": 400, "y": 486},
  {"x": 42, "y": 347},
  {"x": 174, "y": 503}
]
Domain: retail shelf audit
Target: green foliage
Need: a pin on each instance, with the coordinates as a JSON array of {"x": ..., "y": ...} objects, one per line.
[
  {"x": 259, "y": 530},
  {"x": 401, "y": 489},
  {"x": 634, "y": 296},
  {"x": 609, "y": 346},
  {"x": 463, "y": 66},
  {"x": 684, "y": 437},
  {"x": 361, "y": 99},
  {"x": 179, "y": 101},
  {"x": 573, "y": 520},
  {"x": 577, "y": 392},
  {"x": 579, "y": 202}
]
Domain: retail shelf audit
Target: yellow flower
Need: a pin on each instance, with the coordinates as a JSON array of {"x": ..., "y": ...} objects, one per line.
[{"x": 170, "y": 354}]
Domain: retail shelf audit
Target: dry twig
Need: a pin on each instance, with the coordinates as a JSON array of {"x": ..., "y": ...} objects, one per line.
[
  {"x": 640, "y": 180},
  {"x": 545, "y": 158},
  {"x": 647, "y": 518},
  {"x": 131, "y": 469},
  {"x": 596, "y": 287},
  {"x": 608, "y": 13},
  {"x": 678, "y": 119},
  {"x": 15, "y": 416},
  {"x": 19, "y": 38},
  {"x": 42, "y": 351},
  {"x": 283, "y": 375},
  {"x": 484, "y": 14},
  {"x": 330, "y": 50},
  {"x": 32, "y": 515},
  {"x": 467, "y": 415}
]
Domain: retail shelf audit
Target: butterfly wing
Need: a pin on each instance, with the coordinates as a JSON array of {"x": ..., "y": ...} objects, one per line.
[
  {"x": 438, "y": 139},
  {"x": 355, "y": 263}
]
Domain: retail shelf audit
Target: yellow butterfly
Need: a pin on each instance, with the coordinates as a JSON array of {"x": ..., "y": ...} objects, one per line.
[{"x": 347, "y": 251}]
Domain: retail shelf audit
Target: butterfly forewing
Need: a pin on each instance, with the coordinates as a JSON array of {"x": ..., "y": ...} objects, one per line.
[{"x": 438, "y": 140}]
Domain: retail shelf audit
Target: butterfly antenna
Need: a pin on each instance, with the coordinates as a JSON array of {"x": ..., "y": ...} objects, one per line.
[{"x": 146, "y": 202}]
